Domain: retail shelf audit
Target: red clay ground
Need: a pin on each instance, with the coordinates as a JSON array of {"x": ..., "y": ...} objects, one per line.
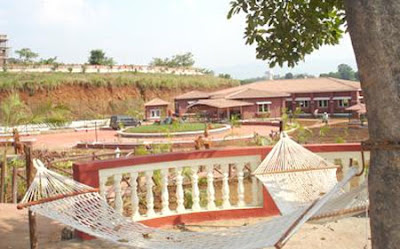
[
  {"x": 66, "y": 140},
  {"x": 349, "y": 233}
]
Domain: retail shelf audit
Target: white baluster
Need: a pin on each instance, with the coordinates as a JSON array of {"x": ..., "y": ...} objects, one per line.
[
  {"x": 254, "y": 186},
  {"x": 102, "y": 186},
  {"x": 149, "y": 194},
  {"x": 164, "y": 192},
  {"x": 225, "y": 186},
  {"x": 117, "y": 152},
  {"x": 118, "y": 195},
  {"x": 134, "y": 196},
  {"x": 240, "y": 176},
  {"x": 179, "y": 191},
  {"x": 210, "y": 187},
  {"x": 195, "y": 189}
]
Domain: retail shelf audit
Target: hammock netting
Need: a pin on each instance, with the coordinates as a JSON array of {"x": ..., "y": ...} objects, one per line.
[
  {"x": 294, "y": 176},
  {"x": 90, "y": 213}
]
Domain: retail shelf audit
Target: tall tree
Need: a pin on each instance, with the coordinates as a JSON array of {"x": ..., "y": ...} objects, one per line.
[
  {"x": 286, "y": 31},
  {"x": 345, "y": 72},
  {"x": 98, "y": 57},
  {"x": 289, "y": 76},
  {"x": 179, "y": 60},
  {"x": 26, "y": 54}
]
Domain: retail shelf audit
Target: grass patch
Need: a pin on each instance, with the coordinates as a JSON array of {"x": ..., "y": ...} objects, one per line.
[
  {"x": 154, "y": 128},
  {"x": 143, "y": 81}
]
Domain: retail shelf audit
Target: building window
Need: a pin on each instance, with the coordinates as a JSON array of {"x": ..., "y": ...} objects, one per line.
[
  {"x": 263, "y": 108},
  {"x": 303, "y": 103},
  {"x": 322, "y": 103},
  {"x": 155, "y": 113},
  {"x": 343, "y": 103}
]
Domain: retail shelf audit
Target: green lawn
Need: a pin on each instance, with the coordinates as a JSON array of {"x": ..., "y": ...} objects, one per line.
[{"x": 171, "y": 128}]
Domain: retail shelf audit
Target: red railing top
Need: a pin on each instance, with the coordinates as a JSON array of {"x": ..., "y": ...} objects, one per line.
[{"x": 176, "y": 156}]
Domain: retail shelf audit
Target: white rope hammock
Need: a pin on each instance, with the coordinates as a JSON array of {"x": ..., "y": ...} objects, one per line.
[
  {"x": 77, "y": 205},
  {"x": 294, "y": 176}
]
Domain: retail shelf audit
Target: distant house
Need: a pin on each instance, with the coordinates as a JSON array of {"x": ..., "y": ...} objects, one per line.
[
  {"x": 156, "y": 109},
  {"x": 270, "y": 98}
]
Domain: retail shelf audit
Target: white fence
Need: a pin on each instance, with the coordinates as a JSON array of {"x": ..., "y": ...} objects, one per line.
[
  {"x": 37, "y": 128},
  {"x": 227, "y": 182},
  {"x": 177, "y": 176},
  {"x": 78, "y": 68}
]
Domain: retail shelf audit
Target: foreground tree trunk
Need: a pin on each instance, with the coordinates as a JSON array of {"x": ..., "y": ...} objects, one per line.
[{"x": 374, "y": 28}]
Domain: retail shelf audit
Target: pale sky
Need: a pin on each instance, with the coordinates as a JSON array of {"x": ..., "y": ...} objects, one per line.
[{"x": 135, "y": 31}]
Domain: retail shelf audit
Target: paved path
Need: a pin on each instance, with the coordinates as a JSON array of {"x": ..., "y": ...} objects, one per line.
[{"x": 68, "y": 139}]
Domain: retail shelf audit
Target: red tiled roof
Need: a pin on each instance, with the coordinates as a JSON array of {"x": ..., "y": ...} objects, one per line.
[
  {"x": 359, "y": 107},
  {"x": 250, "y": 93},
  {"x": 308, "y": 85},
  {"x": 221, "y": 103},
  {"x": 194, "y": 95},
  {"x": 156, "y": 102}
]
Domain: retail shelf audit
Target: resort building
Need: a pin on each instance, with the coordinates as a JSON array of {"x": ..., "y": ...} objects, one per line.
[
  {"x": 156, "y": 109},
  {"x": 3, "y": 50},
  {"x": 269, "y": 98}
]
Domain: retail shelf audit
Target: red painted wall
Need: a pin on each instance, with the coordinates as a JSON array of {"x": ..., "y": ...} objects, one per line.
[{"x": 332, "y": 104}]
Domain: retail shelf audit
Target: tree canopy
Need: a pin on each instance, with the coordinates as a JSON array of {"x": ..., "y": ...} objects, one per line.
[
  {"x": 344, "y": 72},
  {"x": 286, "y": 31},
  {"x": 289, "y": 76},
  {"x": 98, "y": 57},
  {"x": 26, "y": 54},
  {"x": 179, "y": 60}
]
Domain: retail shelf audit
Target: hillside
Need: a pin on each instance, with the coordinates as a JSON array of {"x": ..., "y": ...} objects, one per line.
[{"x": 99, "y": 95}]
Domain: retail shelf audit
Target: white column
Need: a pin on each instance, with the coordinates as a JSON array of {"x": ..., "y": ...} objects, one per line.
[
  {"x": 254, "y": 186},
  {"x": 117, "y": 152},
  {"x": 210, "y": 187},
  {"x": 225, "y": 186},
  {"x": 179, "y": 191},
  {"x": 102, "y": 186},
  {"x": 240, "y": 176},
  {"x": 134, "y": 196},
  {"x": 195, "y": 189},
  {"x": 118, "y": 195},
  {"x": 149, "y": 193},
  {"x": 164, "y": 192}
]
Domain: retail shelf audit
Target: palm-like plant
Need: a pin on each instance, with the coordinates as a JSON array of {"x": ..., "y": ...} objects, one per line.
[{"x": 14, "y": 112}]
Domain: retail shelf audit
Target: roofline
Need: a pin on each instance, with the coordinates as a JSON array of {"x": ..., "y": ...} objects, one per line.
[
  {"x": 156, "y": 104},
  {"x": 177, "y": 98},
  {"x": 194, "y": 104}
]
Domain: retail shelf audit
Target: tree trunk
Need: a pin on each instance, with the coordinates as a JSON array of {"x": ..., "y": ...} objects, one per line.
[{"x": 374, "y": 28}]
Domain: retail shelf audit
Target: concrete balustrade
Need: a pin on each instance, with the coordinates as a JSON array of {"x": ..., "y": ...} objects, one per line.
[
  {"x": 175, "y": 176},
  {"x": 193, "y": 186}
]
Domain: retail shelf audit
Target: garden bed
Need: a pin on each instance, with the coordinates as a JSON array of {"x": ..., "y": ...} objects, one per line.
[
  {"x": 337, "y": 133},
  {"x": 185, "y": 129}
]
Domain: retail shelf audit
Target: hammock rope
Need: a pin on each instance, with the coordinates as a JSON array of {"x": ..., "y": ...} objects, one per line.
[
  {"x": 294, "y": 177},
  {"x": 79, "y": 206}
]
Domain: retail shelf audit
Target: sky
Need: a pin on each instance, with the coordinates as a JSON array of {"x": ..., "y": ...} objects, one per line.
[{"x": 135, "y": 31}]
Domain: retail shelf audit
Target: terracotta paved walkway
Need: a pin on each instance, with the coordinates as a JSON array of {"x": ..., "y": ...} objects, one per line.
[{"x": 68, "y": 139}]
